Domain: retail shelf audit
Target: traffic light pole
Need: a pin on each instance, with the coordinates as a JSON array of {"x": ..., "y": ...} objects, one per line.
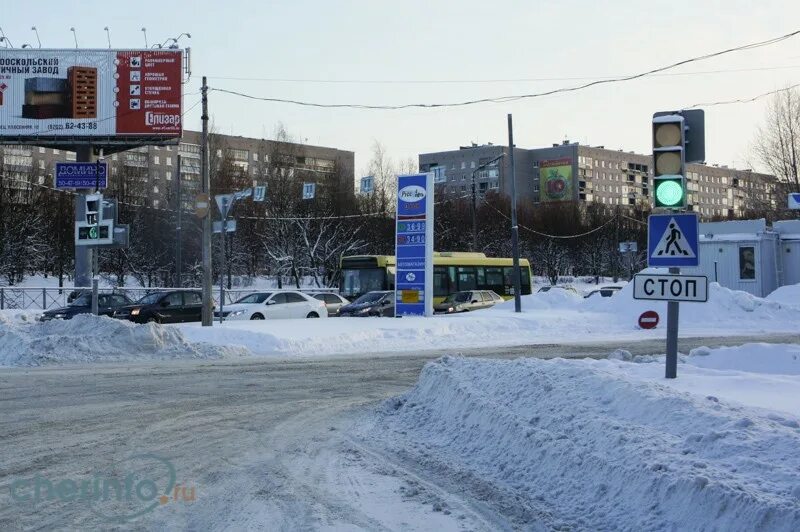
[
  {"x": 96, "y": 250},
  {"x": 83, "y": 254},
  {"x": 672, "y": 334}
]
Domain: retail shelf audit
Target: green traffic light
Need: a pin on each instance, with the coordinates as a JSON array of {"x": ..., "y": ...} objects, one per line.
[
  {"x": 93, "y": 233},
  {"x": 669, "y": 194}
]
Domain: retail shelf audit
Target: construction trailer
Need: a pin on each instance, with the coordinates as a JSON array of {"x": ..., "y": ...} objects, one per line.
[{"x": 789, "y": 232}]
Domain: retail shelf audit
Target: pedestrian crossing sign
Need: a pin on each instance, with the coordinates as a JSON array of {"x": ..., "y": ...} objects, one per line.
[{"x": 672, "y": 240}]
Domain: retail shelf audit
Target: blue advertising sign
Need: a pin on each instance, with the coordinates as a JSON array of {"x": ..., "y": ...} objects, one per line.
[
  {"x": 414, "y": 246},
  {"x": 672, "y": 240},
  {"x": 80, "y": 175}
]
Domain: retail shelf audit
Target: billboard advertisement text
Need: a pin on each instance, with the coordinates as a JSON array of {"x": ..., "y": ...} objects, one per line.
[{"x": 90, "y": 93}]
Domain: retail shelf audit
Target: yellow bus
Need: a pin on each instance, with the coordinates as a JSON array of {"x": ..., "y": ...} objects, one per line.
[{"x": 452, "y": 272}]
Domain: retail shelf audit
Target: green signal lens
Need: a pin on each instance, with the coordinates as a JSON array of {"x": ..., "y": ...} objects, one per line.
[{"x": 669, "y": 193}]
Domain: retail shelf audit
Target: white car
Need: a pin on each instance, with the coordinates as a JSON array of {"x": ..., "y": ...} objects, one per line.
[{"x": 275, "y": 305}]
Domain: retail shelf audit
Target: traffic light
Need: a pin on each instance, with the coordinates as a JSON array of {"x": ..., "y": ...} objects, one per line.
[
  {"x": 669, "y": 161},
  {"x": 93, "y": 204}
]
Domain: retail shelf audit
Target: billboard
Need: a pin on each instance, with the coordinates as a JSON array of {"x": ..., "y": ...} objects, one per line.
[
  {"x": 90, "y": 93},
  {"x": 555, "y": 180},
  {"x": 414, "y": 246}
]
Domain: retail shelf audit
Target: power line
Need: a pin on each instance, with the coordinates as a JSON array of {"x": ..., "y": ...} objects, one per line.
[
  {"x": 480, "y": 81},
  {"x": 744, "y": 100},
  {"x": 563, "y": 237},
  {"x": 503, "y": 99}
]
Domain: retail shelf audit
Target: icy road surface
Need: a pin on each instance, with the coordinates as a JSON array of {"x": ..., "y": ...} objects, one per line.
[{"x": 251, "y": 445}]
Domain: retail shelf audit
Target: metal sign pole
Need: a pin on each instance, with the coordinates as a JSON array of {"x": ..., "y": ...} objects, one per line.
[
  {"x": 672, "y": 334},
  {"x": 514, "y": 227},
  {"x": 222, "y": 266},
  {"x": 96, "y": 249}
]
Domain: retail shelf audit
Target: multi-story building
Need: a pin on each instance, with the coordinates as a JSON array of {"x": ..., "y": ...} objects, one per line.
[
  {"x": 593, "y": 174},
  {"x": 154, "y": 169}
]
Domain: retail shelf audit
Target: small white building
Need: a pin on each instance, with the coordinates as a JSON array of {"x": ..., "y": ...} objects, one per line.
[
  {"x": 789, "y": 231},
  {"x": 741, "y": 255}
]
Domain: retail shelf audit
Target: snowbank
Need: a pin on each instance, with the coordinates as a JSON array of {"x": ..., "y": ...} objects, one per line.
[
  {"x": 547, "y": 317},
  {"x": 88, "y": 338},
  {"x": 787, "y": 295},
  {"x": 589, "y": 445},
  {"x": 775, "y": 359}
]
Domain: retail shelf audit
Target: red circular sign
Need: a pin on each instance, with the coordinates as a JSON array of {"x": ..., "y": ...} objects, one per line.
[{"x": 648, "y": 320}]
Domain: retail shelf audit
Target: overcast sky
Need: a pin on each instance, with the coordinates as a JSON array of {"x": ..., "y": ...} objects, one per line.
[{"x": 433, "y": 51}]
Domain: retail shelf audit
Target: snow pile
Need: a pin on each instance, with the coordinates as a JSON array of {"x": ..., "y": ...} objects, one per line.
[
  {"x": 555, "y": 298},
  {"x": 787, "y": 295},
  {"x": 775, "y": 359},
  {"x": 582, "y": 444},
  {"x": 88, "y": 338},
  {"x": 724, "y": 306}
]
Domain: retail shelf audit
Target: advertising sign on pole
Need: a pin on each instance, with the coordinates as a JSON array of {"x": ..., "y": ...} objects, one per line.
[
  {"x": 81, "y": 175},
  {"x": 414, "y": 246},
  {"x": 52, "y": 94}
]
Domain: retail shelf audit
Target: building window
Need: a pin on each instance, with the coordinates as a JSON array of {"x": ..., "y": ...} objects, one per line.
[
  {"x": 41, "y": 165},
  {"x": 463, "y": 165},
  {"x": 747, "y": 263},
  {"x": 255, "y": 156},
  {"x": 169, "y": 161},
  {"x": 169, "y": 175},
  {"x": 156, "y": 160},
  {"x": 55, "y": 151},
  {"x": 41, "y": 149}
]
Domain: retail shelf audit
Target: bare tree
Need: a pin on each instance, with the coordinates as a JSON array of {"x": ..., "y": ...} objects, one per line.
[{"x": 777, "y": 144}]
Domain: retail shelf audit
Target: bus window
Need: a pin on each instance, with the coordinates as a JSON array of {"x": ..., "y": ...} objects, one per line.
[
  {"x": 360, "y": 281},
  {"x": 467, "y": 279},
  {"x": 494, "y": 277},
  {"x": 481, "y": 276},
  {"x": 441, "y": 281}
]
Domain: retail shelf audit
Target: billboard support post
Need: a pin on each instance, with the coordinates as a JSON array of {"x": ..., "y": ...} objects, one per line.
[
  {"x": 207, "y": 315},
  {"x": 96, "y": 250},
  {"x": 83, "y": 254}
]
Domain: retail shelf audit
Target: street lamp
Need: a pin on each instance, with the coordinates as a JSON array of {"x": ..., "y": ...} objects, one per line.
[
  {"x": 474, "y": 201},
  {"x": 34, "y": 30}
]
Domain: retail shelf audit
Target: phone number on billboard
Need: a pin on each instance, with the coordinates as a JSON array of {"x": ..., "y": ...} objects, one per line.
[{"x": 73, "y": 125}]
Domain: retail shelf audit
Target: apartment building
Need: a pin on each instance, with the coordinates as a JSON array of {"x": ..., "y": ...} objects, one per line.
[
  {"x": 569, "y": 171},
  {"x": 153, "y": 175}
]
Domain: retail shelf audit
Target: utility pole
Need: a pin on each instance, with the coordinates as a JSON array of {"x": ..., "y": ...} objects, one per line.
[
  {"x": 514, "y": 227},
  {"x": 206, "y": 188},
  {"x": 178, "y": 242}
]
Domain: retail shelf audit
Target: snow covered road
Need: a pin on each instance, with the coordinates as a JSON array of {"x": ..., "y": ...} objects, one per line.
[{"x": 258, "y": 444}]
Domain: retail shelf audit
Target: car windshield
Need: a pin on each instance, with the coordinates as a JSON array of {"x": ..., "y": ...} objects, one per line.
[
  {"x": 458, "y": 297},
  {"x": 149, "y": 299},
  {"x": 372, "y": 297},
  {"x": 84, "y": 300},
  {"x": 363, "y": 280},
  {"x": 255, "y": 298}
]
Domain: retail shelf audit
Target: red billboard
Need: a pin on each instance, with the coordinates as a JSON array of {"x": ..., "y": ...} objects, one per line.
[{"x": 90, "y": 93}]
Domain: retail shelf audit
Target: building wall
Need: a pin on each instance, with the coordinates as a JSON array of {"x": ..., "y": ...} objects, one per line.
[
  {"x": 155, "y": 168},
  {"x": 610, "y": 177}
]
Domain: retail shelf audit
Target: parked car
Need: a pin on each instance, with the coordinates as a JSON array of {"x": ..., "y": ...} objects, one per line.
[
  {"x": 467, "y": 300},
  {"x": 82, "y": 304},
  {"x": 333, "y": 302},
  {"x": 606, "y": 291},
  {"x": 557, "y": 287},
  {"x": 275, "y": 305},
  {"x": 165, "y": 307},
  {"x": 377, "y": 303}
]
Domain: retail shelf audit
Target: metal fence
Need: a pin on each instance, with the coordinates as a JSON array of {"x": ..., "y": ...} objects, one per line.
[{"x": 35, "y": 298}]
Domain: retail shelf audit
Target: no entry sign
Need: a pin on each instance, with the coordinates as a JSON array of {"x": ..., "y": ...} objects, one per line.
[{"x": 648, "y": 320}]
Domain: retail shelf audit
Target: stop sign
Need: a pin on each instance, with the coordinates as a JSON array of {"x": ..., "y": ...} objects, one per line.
[{"x": 648, "y": 320}]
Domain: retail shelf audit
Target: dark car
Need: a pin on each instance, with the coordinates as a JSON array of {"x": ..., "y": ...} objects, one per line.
[
  {"x": 176, "y": 306},
  {"x": 378, "y": 303},
  {"x": 606, "y": 291},
  {"x": 107, "y": 304}
]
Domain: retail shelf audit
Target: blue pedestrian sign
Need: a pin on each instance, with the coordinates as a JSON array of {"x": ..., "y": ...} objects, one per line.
[
  {"x": 672, "y": 240},
  {"x": 414, "y": 246},
  {"x": 81, "y": 175}
]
